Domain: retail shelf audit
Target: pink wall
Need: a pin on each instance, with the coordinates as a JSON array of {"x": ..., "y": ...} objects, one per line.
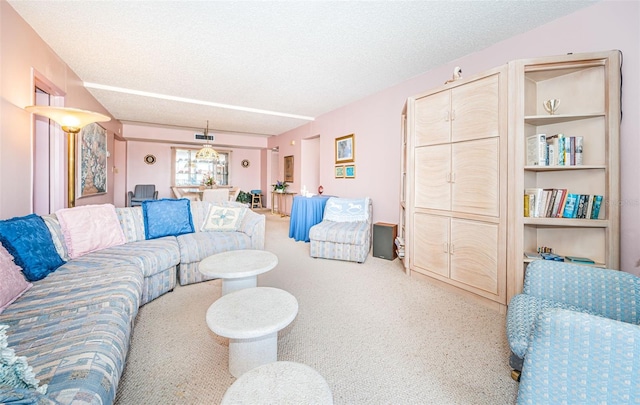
[
  {"x": 21, "y": 51},
  {"x": 143, "y": 140},
  {"x": 375, "y": 120}
]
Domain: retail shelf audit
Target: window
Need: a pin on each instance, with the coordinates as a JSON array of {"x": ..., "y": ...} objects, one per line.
[{"x": 189, "y": 171}]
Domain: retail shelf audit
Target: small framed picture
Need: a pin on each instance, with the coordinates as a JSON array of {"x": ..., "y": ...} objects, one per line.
[
  {"x": 339, "y": 172},
  {"x": 288, "y": 169},
  {"x": 350, "y": 171},
  {"x": 345, "y": 149}
]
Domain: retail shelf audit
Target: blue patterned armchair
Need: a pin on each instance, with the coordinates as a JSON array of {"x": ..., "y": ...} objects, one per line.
[
  {"x": 549, "y": 284},
  {"x": 578, "y": 358}
]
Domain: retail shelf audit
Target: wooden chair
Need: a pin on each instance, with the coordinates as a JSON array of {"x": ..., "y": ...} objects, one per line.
[
  {"x": 256, "y": 198},
  {"x": 216, "y": 195}
]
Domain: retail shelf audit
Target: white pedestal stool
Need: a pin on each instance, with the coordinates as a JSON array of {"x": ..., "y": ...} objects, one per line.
[
  {"x": 238, "y": 269},
  {"x": 251, "y": 319},
  {"x": 282, "y": 382}
]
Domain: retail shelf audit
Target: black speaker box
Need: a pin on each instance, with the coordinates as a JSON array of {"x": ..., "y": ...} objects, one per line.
[{"x": 384, "y": 236}]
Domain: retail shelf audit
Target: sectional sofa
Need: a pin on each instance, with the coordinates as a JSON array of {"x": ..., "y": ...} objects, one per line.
[{"x": 65, "y": 334}]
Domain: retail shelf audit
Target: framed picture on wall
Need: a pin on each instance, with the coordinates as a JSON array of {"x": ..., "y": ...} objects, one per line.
[
  {"x": 288, "y": 169},
  {"x": 92, "y": 161},
  {"x": 350, "y": 171},
  {"x": 345, "y": 149},
  {"x": 339, "y": 172}
]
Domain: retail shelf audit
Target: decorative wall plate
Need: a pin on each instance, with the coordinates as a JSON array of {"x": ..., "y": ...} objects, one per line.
[
  {"x": 149, "y": 159},
  {"x": 245, "y": 163}
]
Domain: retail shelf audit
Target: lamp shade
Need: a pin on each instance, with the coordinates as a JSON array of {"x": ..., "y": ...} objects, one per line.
[
  {"x": 207, "y": 153},
  {"x": 70, "y": 119}
]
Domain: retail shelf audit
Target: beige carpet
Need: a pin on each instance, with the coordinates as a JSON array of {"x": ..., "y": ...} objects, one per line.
[{"x": 376, "y": 335}]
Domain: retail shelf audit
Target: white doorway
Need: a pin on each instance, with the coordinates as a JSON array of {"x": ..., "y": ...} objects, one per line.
[
  {"x": 48, "y": 187},
  {"x": 310, "y": 167}
]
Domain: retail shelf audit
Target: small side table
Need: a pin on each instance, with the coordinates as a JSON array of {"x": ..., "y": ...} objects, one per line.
[
  {"x": 251, "y": 319},
  {"x": 238, "y": 269},
  {"x": 282, "y": 200},
  {"x": 305, "y": 213},
  {"x": 282, "y": 382}
]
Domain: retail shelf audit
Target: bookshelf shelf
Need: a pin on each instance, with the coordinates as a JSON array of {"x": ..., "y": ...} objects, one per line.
[
  {"x": 563, "y": 168},
  {"x": 567, "y": 222},
  {"x": 558, "y": 118},
  {"x": 527, "y": 260},
  {"x": 588, "y": 87}
]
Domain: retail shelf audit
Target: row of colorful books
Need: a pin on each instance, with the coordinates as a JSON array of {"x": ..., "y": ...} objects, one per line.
[
  {"x": 554, "y": 150},
  {"x": 559, "y": 203}
]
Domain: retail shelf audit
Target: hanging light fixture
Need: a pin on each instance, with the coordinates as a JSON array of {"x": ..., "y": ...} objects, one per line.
[
  {"x": 207, "y": 152},
  {"x": 71, "y": 120}
]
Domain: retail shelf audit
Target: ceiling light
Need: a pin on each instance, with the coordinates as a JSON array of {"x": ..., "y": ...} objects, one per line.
[
  {"x": 207, "y": 152},
  {"x": 194, "y": 101}
]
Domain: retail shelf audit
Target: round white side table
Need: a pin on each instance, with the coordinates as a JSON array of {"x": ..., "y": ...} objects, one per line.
[
  {"x": 282, "y": 382},
  {"x": 238, "y": 269},
  {"x": 251, "y": 319}
]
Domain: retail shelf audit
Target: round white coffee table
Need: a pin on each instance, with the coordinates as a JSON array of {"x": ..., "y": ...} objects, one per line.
[
  {"x": 282, "y": 382},
  {"x": 238, "y": 269},
  {"x": 251, "y": 319}
]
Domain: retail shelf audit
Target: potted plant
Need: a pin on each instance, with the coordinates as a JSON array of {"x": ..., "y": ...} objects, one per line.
[
  {"x": 280, "y": 187},
  {"x": 208, "y": 181},
  {"x": 244, "y": 197}
]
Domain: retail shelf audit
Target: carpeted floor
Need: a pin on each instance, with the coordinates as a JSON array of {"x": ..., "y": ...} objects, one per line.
[{"x": 375, "y": 334}]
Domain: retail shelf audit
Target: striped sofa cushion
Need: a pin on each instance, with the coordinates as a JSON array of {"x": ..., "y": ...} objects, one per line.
[
  {"x": 132, "y": 223},
  {"x": 56, "y": 234},
  {"x": 151, "y": 256},
  {"x": 196, "y": 246}
]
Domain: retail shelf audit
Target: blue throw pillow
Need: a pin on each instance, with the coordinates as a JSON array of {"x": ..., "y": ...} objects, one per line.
[
  {"x": 30, "y": 243},
  {"x": 166, "y": 217}
]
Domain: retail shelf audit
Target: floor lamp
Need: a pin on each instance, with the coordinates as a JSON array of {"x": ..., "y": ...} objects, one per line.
[{"x": 71, "y": 120}]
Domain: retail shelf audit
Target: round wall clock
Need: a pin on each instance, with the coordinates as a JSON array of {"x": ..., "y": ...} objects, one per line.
[
  {"x": 245, "y": 163},
  {"x": 149, "y": 159}
]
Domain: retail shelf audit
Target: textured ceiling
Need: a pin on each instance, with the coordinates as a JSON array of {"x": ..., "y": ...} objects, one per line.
[{"x": 304, "y": 58}]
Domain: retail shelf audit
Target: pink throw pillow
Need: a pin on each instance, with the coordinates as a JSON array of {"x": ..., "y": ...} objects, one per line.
[
  {"x": 90, "y": 228},
  {"x": 12, "y": 281}
]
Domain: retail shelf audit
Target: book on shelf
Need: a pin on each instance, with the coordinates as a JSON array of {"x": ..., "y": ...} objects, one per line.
[
  {"x": 578, "y": 150},
  {"x": 532, "y": 255},
  {"x": 577, "y": 259},
  {"x": 552, "y": 256},
  {"x": 569, "y": 156},
  {"x": 583, "y": 205},
  {"x": 564, "y": 150},
  {"x": 561, "y": 149},
  {"x": 571, "y": 206},
  {"x": 535, "y": 201},
  {"x": 551, "y": 199},
  {"x": 558, "y": 203},
  {"x": 536, "y": 150},
  {"x": 597, "y": 203}
]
